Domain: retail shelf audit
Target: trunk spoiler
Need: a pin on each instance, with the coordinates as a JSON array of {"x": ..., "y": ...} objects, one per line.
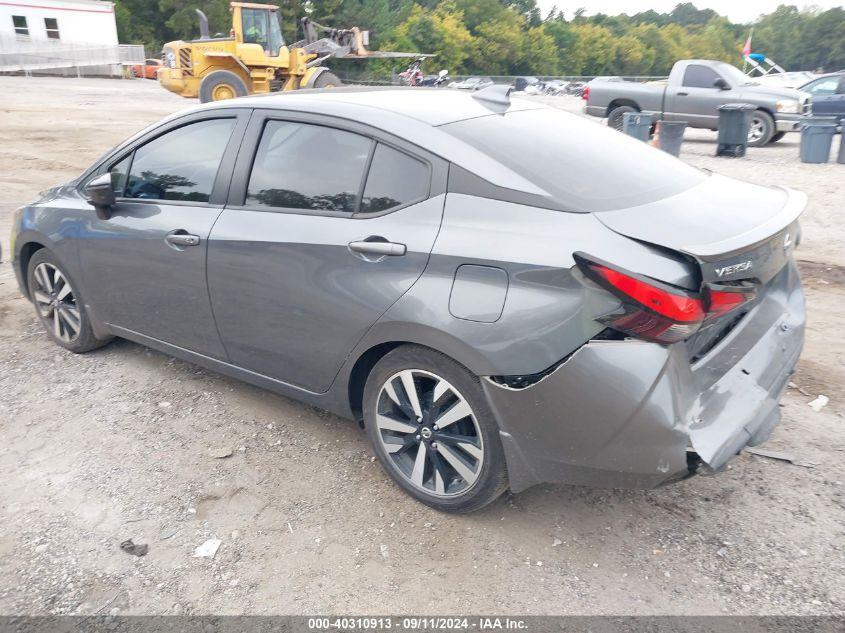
[{"x": 796, "y": 201}]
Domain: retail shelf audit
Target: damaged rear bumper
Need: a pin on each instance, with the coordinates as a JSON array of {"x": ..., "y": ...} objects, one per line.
[{"x": 632, "y": 414}]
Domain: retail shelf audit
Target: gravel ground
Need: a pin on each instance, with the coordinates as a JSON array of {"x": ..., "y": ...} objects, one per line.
[{"x": 125, "y": 443}]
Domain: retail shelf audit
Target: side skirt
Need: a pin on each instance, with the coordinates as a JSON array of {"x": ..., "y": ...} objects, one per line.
[{"x": 320, "y": 400}]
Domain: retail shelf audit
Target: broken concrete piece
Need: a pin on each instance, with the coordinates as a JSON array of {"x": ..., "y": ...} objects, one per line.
[
  {"x": 208, "y": 549},
  {"x": 819, "y": 403}
]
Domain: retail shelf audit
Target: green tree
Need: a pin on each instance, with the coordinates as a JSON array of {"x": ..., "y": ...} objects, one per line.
[{"x": 597, "y": 48}]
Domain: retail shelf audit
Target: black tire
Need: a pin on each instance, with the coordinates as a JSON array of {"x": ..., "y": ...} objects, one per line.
[
  {"x": 616, "y": 118},
  {"x": 490, "y": 477},
  {"x": 778, "y": 136},
  {"x": 762, "y": 129},
  {"x": 217, "y": 86},
  {"x": 327, "y": 80},
  {"x": 83, "y": 340}
]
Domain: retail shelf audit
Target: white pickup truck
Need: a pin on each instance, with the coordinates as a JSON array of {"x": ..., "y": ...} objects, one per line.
[{"x": 693, "y": 93}]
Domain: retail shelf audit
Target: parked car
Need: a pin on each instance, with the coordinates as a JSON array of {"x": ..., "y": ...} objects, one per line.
[
  {"x": 147, "y": 70},
  {"x": 607, "y": 315},
  {"x": 472, "y": 83},
  {"x": 555, "y": 87},
  {"x": 828, "y": 95},
  {"x": 576, "y": 88},
  {"x": 525, "y": 84},
  {"x": 693, "y": 93}
]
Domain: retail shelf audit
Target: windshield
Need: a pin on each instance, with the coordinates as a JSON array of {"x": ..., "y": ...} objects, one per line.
[
  {"x": 584, "y": 166},
  {"x": 734, "y": 75}
]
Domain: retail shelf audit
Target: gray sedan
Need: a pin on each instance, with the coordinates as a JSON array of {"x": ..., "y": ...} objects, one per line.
[{"x": 499, "y": 292}]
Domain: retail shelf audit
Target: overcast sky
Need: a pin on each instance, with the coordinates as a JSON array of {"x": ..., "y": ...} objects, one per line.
[{"x": 737, "y": 10}]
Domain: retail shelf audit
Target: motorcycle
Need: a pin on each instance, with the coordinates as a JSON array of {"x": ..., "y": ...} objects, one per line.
[
  {"x": 412, "y": 75},
  {"x": 435, "y": 81}
]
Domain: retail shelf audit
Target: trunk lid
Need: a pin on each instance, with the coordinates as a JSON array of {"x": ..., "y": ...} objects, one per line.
[
  {"x": 736, "y": 233},
  {"x": 732, "y": 229}
]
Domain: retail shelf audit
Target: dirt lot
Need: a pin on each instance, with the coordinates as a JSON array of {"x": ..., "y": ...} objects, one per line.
[{"x": 118, "y": 444}]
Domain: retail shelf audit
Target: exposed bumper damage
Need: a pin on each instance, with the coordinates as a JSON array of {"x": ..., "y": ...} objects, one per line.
[{"x": 633, "y": 414}]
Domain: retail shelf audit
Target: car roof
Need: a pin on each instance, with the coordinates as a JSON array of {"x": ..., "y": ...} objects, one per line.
[
  {"x": 432, "y": 106},
  {"x": 408, "y": 113}
]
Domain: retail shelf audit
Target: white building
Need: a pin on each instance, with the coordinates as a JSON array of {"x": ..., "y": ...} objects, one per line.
[{"x": 70, "y": 36}]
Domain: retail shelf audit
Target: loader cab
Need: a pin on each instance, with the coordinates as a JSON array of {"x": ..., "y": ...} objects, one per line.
[{"x": 258, "y": 24}]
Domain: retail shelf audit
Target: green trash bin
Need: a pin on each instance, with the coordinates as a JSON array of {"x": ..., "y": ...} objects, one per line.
[
  {"x": 637, "y": 124},
  {"x": 734, "y": 123},
  {"x": 816, "y": 139},
  {"x": 671, "y": 135}
]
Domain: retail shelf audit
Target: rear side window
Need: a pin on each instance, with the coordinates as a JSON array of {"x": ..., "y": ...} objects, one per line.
[
  {"x": 181, "y": 164},
  {"x": 697, "y": 76},
  {"x": 395, "y": 179},
  {"x": 304, "y": 166},
  {"x": 583, "y": 166}
]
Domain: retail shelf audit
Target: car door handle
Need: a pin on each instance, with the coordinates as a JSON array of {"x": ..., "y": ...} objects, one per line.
[
  {"x": 683, "y": 94},
  {"x": 377, "y": 246},
  {"x": 182, "y": 239}
]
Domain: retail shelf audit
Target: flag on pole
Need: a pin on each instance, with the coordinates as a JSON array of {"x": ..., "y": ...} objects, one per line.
[{"x": 746, "y": 50}]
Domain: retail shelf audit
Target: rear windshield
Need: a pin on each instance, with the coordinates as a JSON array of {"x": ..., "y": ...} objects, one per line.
[{"x": 583, "y": 165}]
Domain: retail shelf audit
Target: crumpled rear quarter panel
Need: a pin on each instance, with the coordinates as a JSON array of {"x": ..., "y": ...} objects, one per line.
[{"x": 623, "y": 413}]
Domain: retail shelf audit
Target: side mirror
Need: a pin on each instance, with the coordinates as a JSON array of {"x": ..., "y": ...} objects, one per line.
[
  {"x": 101, "y": 195},
  {"x": 721, "y": 84},
  {"x": 443, "y": 72}
]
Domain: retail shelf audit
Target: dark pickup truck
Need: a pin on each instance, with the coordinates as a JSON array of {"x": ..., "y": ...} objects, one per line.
[{"x": 693, "y": 93}]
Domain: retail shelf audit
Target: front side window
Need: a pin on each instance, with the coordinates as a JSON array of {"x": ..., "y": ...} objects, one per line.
[
  {"x": 825, "y": 86},
  {"x": 51, "y": 25},
  {"x": 699, "y": 77},
  {"x": 21, "y": 27},
  {"x": 119, "y": 173},
  {"x": 303, "y": 166},
  {"x": 181, "y": 164},
  {"x": 394, "y": 179}
]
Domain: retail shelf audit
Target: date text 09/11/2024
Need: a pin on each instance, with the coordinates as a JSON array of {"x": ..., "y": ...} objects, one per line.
[{"x": 417, "y": 623}]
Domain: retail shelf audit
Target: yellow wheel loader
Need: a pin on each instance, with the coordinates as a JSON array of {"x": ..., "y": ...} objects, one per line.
[{"x": 254, "y": 58}]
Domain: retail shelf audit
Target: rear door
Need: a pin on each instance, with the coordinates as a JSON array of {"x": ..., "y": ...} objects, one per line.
[
  {"x": 697, "y": 100},
  {"x": 328, "y": 224},
  {"x": 144, "y": 267}
]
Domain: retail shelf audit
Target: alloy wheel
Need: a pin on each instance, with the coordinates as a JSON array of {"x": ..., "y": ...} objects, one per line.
[
  {"x": 56, "y": 302},
  {"x": 429, "y": 432},
  {"x": 756, "y": 130}
]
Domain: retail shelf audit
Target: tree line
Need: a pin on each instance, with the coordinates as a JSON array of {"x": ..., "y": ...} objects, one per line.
[{"x": 512, "y": 37}]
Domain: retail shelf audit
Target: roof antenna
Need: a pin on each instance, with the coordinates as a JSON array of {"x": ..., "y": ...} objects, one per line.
[{"x": 497, "y": 93}]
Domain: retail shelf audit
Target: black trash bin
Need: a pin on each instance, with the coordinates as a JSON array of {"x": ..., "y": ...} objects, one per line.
[
  {"x": 816, "y": 139},
  {"x": 670, "y": 135},
  {"x": 637, "y": 124},
  {"x": 734, "y": 123}
]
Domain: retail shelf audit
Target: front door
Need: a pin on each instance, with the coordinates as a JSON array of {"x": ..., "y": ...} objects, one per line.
[
  {"x": 828, "y": 96},
  {"x": 144, "y": 267},
  {"x": 697, "y": 100},
  {"x": 327, "y": 228}
]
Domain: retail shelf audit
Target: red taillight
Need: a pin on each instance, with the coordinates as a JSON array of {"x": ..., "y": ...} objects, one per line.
[
  {"x": 650, "y": 310},
  {"x": 675, "y": 305},
  {"x": 658, "y": 312},
  {"x": 585, "y": 95},
  {"x": 724, "y": 299}
]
